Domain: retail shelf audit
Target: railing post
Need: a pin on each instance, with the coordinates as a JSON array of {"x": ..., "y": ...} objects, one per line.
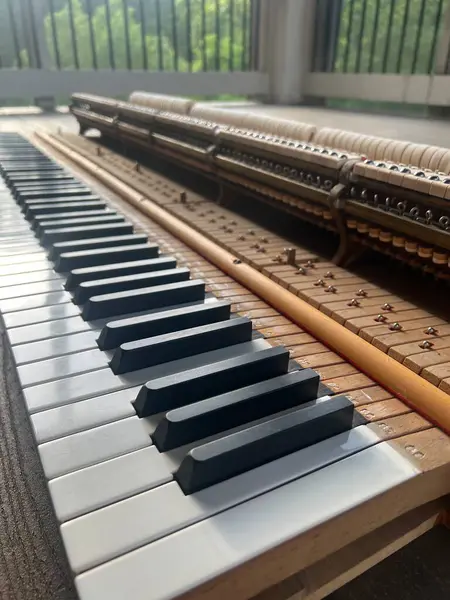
[
  {"x": 442, "y": 59},
  {"x": 286, "y": 45}
]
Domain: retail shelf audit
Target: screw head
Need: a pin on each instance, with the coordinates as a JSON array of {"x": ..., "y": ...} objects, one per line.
[
  {"x": 331, "y": 289},
  {"x": 380, "y": 319},
  {"x": 431, "y": 331},
  {"x": 395, "y": 327},
  {"x": 387, "y": 306},
  {"x": 329, "y": 275},
  {"x": 354, "y": 302},
  {"x": 320, "y": 283},
  {"x": 426, "y": 345}
]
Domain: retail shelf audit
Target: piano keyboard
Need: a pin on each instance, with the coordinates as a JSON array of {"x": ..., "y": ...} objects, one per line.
[{"x": 171, "y": 433}]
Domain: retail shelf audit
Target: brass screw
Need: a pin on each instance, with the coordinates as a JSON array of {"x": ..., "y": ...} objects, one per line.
[
  {"x": 395, "y": 327},
  {"x": 361, "y": 293},
  {"x": 310, "y": 264},
  {"x": 255, "y": 245},
  {"x": 320, "y": 283},
  {"x": 387, "y": 306},
  {"x": 331, "y": 289},
  {"x": 241, "y": 238},
  {"x": 263, "y": 240},
  {"x": 329, "y": 275}
]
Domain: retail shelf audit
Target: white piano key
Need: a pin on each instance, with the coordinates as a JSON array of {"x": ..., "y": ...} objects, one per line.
[
  {"x": 62, "y": 366},
  {"x": 26, "y": 259},
  {"x": 36, "y": 301},
  {"x": 85, "y": 414},
  {"x": 24, "y": 279},
  {"x": 28, "y": 267},
  {"x": 108, "y": 482},
  {"x": 109, "y": 532},
  {"x": 79, "y": 387},
  {"x": 40, "y": 315},
  {"x": 80, "y": 450},
  {"x": 218, "y": 544},
  {"x": 48, "y": 330},
  {"x": 30, "y": 284},
  {"x": 58, "y": 346}
]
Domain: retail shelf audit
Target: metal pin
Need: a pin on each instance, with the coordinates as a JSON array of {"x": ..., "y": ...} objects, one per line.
[
  {"x": 320, "y": 283},
  {"x": 395, "y": 327},
  {"x": 331, "y": 289},
  {"x": 380, "y": 319},
  {"x": 329, "y": 275},
  {"x": 387, "y": 306},
  {"x": 137, "y": 167},
  {"x": 183, "y": 197},
  {"x": 431, "y": 331},
  {"x": 290, "y": 256},
  {"x": 362, "y": 293},
  {"x": 302, "y": 271},
  {"x": 353, "y": 302},
  {"x": 310, "y": 264},
  {"x": 426, "y": 345}
]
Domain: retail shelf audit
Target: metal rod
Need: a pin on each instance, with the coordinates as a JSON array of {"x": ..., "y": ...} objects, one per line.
[
  {"x": 231, "y": 44},
  {"x": 143, "y": 36},
  {"x": 91, "y": 35},
  {"x": 244, "y": 64},
  {"x": 203, "y": 35},
  {"x": 159, "y": 35},
  {"x": 188, "y": 34},
  {"x": 437, "y": 23},
  {"x": 348, "y": 35},
  {"x": 402, "y": 36},
  {"x": 361, "y": 36},
  {"x": 174, "y": 33},
  {"x": 388, "y": 36},
  {"x": 127, "y": 34},
  {"x": 73, "y": 36},
  {"x": 418, "y": 37},
  {"x": 373, "y": 44},
  {"x": 112, "y": 62},
  {"x": 34, "y": 35},
  {"x": 14, "y": 34},
  {"x": 217, "y": 14},
  {"x": 337, "y": 5}
]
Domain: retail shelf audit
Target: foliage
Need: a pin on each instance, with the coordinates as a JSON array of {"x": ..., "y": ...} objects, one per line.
[
  {"x": 410, "y": 38},
  {"x": 162, "y": 51}
]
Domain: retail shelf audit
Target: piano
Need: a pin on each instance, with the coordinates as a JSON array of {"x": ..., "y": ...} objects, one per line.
[{"x": 186, "y": 454}]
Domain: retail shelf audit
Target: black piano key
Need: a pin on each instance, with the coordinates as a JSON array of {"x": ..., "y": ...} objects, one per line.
[
  {"x": 34, "y": 186},
  {"x": 118, "y": 332},
  {"x": 96, "y": 242},
  {"x": 133, "y": 301},
  {"x": 238, "y": 452},
  {"x": 103, "y": 256},
  {"x": 173, "y": 391},
  {"x": 77, "y": 276},
  {"x": 46, "y": 187},
  {"x": 57, "y": 201},
  {"x": 100, "y": 287},
  {"x": 219, "y": 413},
  {"x": 149, "y": 352},
  {"x": 55, "y": 194},
  {"x": 82, "y": 214},
  {"x": 65, "y": 234},
  {"x": 43, "y": 179},
  {"x": 69, "y": 207},
  {"x": 44, "y": 226}
]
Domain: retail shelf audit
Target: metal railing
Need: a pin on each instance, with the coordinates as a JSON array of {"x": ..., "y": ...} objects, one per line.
[
  {"x": 379, "y": 36},
  {"x": 153, "y": 35}
]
